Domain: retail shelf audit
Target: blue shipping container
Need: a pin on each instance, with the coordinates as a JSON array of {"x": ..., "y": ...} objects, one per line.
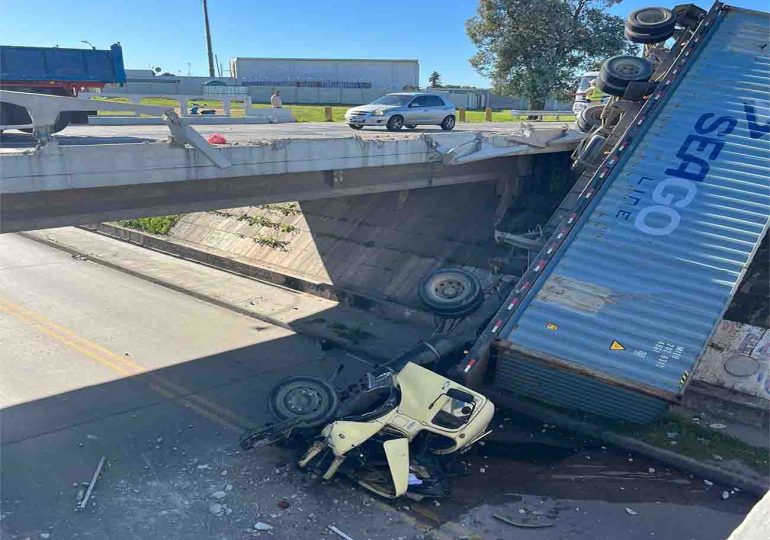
[{"x": 618, "y": 316}]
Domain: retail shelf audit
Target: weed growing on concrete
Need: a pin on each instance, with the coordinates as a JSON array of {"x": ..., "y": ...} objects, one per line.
[
  {"x": 285, "y": 209},
  {"x": 271, "y": 242},
  {"x": 153, "y": 225}
]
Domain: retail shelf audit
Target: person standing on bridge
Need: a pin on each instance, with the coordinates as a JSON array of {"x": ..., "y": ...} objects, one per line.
[{"x": 275, "y": 100}]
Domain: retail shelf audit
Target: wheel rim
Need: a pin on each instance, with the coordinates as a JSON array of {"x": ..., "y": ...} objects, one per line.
[
  {"x": 397, "y": 122},
  {"x": 449, "y": 289},
  {"x": 449, "y": 122},
  {"x": 301, "y": 398},
  {"x": 651, "y": 16},
  {"x": 627, "y": 68}
]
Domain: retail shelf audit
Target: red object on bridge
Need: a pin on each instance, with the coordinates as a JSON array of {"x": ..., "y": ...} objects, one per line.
[{"x": 217, "y": 138}]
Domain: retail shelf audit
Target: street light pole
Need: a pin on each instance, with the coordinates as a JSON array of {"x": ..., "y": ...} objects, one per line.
[{"x": 208, "y": 39}]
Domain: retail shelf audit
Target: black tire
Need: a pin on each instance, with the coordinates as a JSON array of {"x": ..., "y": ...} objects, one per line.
[
  {"x": 589, "y": 118},
  {"x": 618, "y": 71},
  {"x": 410, "y": 126},
  {"x": 592, "y": 150},
  {"x": 356, "y": 126},
  {"x": 651, "y": 21},
  {"x": 395, "y": 123},
  {"x": 312, "y": 398},
  {"x": 646, "y": 39},
  {"x": 448, "y": 123},
  {"x": 451, "y": 292}
]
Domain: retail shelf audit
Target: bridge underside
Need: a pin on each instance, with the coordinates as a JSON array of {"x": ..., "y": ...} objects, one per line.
[{"x": 63, "y": 207}]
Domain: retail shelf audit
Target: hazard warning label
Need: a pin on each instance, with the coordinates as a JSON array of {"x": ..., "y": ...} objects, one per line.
[{"x": 616, "y": 346}]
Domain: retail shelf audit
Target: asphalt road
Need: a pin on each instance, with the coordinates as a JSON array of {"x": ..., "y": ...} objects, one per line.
[{"x": 98, "y": 363}]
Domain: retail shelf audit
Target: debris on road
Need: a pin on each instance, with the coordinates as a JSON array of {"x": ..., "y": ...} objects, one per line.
[
  {"x": 216, "y": 509},
  {"x": 339, "y": 533},
  {"x": 261, "y": 526},
  {"x": 709, "y": 483},
  {"x": 725, "y": 495},
  {"x": 84, "y": 502},
  {"x": 217, "y": 138},
  {"x": 533, "y": 522},
  {"x": 631, "y": 512}
]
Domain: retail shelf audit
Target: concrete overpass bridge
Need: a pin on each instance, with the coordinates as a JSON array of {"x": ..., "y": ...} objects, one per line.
[{"x": 89, "y": 174}]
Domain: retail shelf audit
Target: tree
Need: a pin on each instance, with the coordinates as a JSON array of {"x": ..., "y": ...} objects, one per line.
[
  {"x": 435, "y": 79},
  {"x": 535, "y": 48}
]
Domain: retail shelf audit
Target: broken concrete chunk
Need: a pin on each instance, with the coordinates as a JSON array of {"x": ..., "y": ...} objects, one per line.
[
  {"x": 260, "y": 526},
  {"x": 216, "y": 509},
  {"x": 218, "y": 495}
]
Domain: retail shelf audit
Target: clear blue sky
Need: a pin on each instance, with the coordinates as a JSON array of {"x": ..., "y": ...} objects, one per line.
[{"x": 169, "y": 33}]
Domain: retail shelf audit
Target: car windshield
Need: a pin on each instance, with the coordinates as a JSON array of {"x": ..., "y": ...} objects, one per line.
[
  {"x": 392, "y": 99},
  {"x": 585, "y": 81}
]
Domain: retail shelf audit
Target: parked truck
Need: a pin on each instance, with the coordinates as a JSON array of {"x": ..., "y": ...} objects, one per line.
[{"x": 55, "y": 71}]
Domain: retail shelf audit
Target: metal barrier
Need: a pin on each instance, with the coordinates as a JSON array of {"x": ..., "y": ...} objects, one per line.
[
  {"x": 538, "y": 115},
  {"x": 44, "y": 110}
]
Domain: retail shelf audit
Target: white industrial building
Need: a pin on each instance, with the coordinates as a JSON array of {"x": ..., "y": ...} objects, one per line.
[{"x": 393, "y": 75}]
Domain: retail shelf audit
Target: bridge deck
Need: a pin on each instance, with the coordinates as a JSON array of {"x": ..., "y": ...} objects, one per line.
[
  {"x": 101, "y": 173},
  {"x": 244, "y": 134}
]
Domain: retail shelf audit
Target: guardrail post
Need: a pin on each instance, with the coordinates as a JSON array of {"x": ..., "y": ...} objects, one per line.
[
  {"x": 461, "y": 112},
  {"x": 328, "y": 113},
  {"x": 487, "y": 115}
]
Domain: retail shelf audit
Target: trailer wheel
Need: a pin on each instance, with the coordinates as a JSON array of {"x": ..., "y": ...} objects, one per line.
[
  {"x": 618, "y": 71},
  {"x": 651, "y": 21},
  {"x": 589, "y": 118},
  {"x": 312, "y": 398},
  {"x": 451, "y": 292}
]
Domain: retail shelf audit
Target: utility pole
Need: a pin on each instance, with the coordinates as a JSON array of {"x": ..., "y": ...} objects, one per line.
[{"x": 208, "y": 39}]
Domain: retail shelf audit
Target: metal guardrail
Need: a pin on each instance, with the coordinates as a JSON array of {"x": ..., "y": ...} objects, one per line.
[
  {"x": 538, "y": 115},
  {"x": 44, "y": 110}
]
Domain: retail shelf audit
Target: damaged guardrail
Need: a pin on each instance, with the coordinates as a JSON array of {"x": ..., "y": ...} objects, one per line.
[{"x": 44, "y": 110}]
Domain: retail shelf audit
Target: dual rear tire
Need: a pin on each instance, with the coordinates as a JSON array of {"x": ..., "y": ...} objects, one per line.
[{"x": 650, "y": 25}]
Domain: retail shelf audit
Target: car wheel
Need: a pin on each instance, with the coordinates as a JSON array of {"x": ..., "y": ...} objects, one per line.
[
  {"x": 618, "y": 71},
  {"x": 589, "y": 118},
  {"x": 356, "y": 126},
  {"x": 395, "y": 123},
  {"x": 451, "y": 292},
  {"x": 448, "y": 123},
  {"x": 311, "y": 398},
  {"x": 410, "y": 126}
]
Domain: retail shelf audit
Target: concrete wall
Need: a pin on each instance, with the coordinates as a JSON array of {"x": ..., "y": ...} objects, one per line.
[
  {"x": 380, "y": 245},
  {"x": 391, "y": 74}
]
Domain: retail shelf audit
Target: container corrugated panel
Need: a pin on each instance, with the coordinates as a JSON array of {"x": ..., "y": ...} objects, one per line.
[
  {"x": 644, "y": 275},
  {"x": 563, "y": 388}
]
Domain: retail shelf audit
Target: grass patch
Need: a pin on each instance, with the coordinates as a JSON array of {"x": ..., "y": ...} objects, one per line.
[
  {"x": 154, "y": 225},
  {"x": 354, "y": 335},
  {"x": 696, "y": 442}
]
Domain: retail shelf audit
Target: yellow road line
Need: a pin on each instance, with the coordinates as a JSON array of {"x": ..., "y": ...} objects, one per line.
[{"x": 126, "y": 366}]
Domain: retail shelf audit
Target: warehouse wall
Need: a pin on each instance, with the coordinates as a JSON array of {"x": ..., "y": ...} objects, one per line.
[{"x": 391, "y": 74}]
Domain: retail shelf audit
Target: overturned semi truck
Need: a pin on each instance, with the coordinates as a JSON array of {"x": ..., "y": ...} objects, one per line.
[{"x": 647, "y": 250}]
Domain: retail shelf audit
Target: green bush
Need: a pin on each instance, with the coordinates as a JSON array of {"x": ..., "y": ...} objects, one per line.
[{"x": 154, "y": 225}]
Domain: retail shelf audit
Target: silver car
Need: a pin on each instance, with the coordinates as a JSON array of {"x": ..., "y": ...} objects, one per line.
[{"x": 409, "y": 110}]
